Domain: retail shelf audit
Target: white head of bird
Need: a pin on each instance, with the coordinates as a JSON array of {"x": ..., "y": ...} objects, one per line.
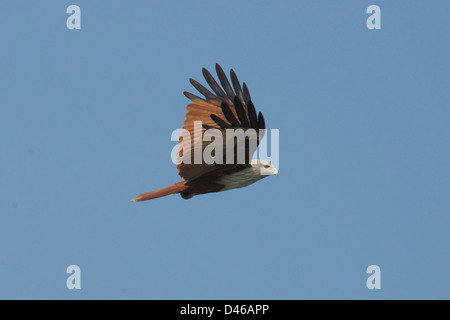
[{"x": 264, "y": 168}]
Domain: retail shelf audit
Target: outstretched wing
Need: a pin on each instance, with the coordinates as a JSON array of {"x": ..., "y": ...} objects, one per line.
[{"x": 229, "y": 107}]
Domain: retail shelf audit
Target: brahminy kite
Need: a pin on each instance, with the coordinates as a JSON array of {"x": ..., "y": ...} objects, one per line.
[{"x": 221, "y": 111}]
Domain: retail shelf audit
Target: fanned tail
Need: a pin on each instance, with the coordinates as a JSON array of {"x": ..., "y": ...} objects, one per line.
[{"x": 176, "y": 188}]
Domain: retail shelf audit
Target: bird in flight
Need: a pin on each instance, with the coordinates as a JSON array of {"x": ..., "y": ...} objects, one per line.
[{"x": 219, "y": 112}]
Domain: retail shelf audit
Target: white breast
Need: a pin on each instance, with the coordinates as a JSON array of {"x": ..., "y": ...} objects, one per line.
[{"x": 240, "y": 179}]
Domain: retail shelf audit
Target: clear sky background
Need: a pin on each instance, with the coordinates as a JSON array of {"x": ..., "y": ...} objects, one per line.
[{"x": 85, "y": 123}]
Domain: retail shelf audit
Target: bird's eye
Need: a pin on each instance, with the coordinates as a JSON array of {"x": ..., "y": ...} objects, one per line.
[{"x": 266, "y": 166}]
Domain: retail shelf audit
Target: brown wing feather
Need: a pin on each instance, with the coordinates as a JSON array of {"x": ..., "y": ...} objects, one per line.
[
  {"x": 201, "y": 109},
  {"x": 197, "y": 111}
]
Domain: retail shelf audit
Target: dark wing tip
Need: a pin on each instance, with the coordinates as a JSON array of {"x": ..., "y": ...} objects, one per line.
[
  {"x": 224, "y": 82},
  {"x": 213, "y": 84},
  {"x": 229, "y": 115},
  {"x": 221, "y": 123},
  {"x": 246, "y": 93},
  {"x": 252, "y": 115},
  {"x": 201, "y": 88},
  {"x": 239, "y": 107},
  {"x": 261, "y": 122},
  {"x": 236, "y": 85},
  {"x": 192, "y": 96}
]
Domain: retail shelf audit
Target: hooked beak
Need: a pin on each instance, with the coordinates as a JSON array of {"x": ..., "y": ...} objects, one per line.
[{"x": 275, "y": 171}]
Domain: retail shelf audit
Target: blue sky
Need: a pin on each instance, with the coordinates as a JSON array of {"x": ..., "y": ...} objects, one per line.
[{"x": 85, "y": 123}]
